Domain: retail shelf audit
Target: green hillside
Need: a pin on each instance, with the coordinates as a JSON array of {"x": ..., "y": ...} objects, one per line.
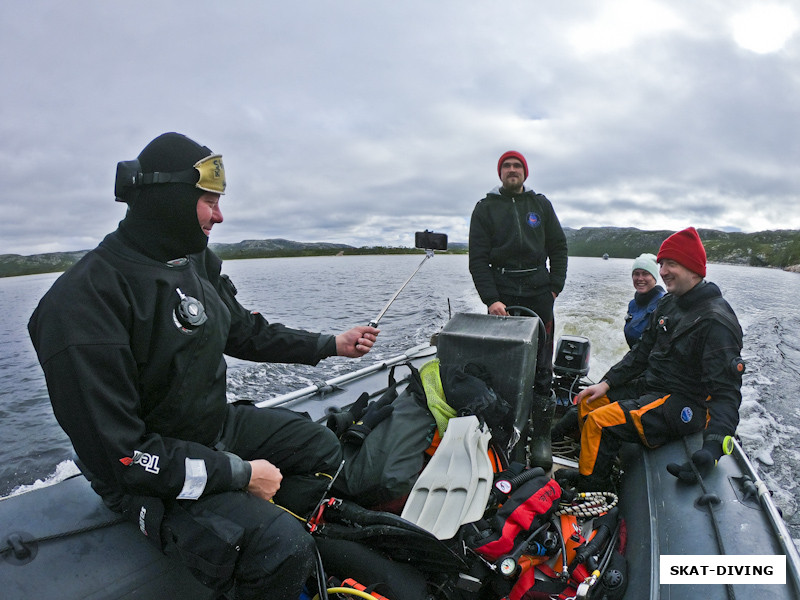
[{"x": 779, "y": 248}]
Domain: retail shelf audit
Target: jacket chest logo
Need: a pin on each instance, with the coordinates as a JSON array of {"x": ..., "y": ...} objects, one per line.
[{"x": 533, "y": 220}]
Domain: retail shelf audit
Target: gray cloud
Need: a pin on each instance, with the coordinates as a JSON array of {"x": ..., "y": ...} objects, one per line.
[{"x": 359, "y": 122}]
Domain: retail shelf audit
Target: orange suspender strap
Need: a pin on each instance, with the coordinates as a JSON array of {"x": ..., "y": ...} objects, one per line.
[
  {"x": 494, "y": 458},
  {"x": 437, "y": 439},
  {"x": 352, "y": 583}
]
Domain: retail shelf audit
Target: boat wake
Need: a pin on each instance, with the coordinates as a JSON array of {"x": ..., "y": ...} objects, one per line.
[{"x": 64, "y": 470}]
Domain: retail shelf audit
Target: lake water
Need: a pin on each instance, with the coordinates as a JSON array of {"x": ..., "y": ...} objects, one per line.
[{"x": 331, "y": 294}]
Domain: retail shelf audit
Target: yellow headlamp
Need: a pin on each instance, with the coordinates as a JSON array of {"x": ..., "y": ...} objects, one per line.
[
  {"x": 210, "y": 170},
  {"x": 212, "y": 174}
]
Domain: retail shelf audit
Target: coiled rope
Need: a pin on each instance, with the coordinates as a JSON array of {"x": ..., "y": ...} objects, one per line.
[{"x": 589, "y": 504}]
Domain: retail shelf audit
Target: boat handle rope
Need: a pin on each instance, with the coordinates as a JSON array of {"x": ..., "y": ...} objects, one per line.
[
  {"x": 710, "y": 500},
  {"x": 19, "y": 546}
]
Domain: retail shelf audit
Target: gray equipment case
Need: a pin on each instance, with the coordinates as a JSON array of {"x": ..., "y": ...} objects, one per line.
[{"x": 507, "y": 347}]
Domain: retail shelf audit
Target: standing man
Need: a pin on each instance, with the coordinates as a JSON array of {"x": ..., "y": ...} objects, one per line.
[
  {"x": 518, "y": 257},
  {"x": 131, "y": 340},
  {"x": 684, "y": 375}
]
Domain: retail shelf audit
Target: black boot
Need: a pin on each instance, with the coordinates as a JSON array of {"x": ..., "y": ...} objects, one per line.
[
  {"x": 542, "y": 410},
  {"x": 595, "y": 483},
  {"x": 566, "y": 426},
  {"x": 567, "y": 477}
]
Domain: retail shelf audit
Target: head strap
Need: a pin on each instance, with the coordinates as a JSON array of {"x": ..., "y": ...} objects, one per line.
[{"x": 207, "y": 174}]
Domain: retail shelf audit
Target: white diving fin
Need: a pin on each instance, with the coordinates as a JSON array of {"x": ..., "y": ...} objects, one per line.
[{"x": 454, "y": 487}]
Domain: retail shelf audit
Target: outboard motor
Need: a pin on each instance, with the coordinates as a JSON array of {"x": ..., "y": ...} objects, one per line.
[
  {"x": 572, "y": 355},
  {"x": 570, "y": 367},
  {"x": 571, "y": 364}
]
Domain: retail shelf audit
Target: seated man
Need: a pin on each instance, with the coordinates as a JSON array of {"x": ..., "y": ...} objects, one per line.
[
  {"x": 683, "y": 376},
  {"x": 131, "y": 340}
]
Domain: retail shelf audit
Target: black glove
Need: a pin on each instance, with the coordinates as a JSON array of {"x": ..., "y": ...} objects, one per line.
[
  {"x": 375, "y": 413},
  {"x": 704, "y": 460},
  {"x": 339, "y": 422}
]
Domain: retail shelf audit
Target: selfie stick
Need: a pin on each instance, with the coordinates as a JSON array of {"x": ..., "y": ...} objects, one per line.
[
  {"x": 374, "y": 322},
  {"x": 428, "y": 240}
]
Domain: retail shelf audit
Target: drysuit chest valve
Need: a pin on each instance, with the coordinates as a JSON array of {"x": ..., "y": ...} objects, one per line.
[{"x": 190, "y": 313}]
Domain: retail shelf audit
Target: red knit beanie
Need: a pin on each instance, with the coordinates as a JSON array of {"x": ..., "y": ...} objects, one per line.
[
  {"x": 685, "y": 248},
  {"x": 513, "y": 154}
]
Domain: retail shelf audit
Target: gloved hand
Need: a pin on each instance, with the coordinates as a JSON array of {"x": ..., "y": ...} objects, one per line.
[
  {"x": 339, "y": 422},
  {"x": 704, "y": 460},
  {"x": 375, "y": 413}
]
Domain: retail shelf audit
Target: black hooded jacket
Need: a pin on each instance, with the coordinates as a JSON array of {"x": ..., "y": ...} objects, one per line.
[
  {"x": 142, "y": 395},
  {"x": 691, "y": 348},
  {"x": 516, "y": 233}
]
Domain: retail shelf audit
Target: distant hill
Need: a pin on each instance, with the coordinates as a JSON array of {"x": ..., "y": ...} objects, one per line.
[
  {"x": 14, "y": 264},
  {"x": 763, "y": 249},
  {"x": 277, "y": 247},
  {"x": 780, "y": 248}
]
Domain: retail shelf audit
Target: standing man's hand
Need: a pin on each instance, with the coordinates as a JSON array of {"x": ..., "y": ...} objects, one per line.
[
  {"x": 498, "y": 308},
  {"x": 265, "y": 479},
  {"x": 357, "y": 341}
]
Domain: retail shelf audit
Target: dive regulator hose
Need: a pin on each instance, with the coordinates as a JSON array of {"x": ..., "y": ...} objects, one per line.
[{"x": 349, "y": 592}]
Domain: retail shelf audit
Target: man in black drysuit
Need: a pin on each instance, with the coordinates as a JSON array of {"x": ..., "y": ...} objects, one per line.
[
  {"x": 684, "y": 375},
  {"x": 131, "y": 340},
  {"x": 518, "y": 257}
]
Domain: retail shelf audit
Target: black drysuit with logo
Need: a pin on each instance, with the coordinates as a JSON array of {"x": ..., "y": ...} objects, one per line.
[
  {"x": 512, "y": 237},
  {"x": 142, "y": 396},
  {"x": 682, "y": 377}
]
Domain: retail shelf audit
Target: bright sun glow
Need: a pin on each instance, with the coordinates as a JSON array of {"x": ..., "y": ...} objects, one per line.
[{"x": 764, "y": 28}]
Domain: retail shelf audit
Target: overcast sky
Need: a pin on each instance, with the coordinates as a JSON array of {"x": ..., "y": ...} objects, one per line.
[{"x": 361, "y": 122}]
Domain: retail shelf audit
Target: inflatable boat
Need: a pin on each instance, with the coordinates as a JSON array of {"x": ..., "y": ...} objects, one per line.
[{"x": 61, "y": 542}]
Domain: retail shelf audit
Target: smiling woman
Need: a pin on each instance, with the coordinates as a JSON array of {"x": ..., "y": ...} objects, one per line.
[{"x": 764, "y": 28}]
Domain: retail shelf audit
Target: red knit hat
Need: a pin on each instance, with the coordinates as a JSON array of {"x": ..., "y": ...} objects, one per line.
[
  {"x": 513, "y": 154},
  {"x": 686, "y": 249}
]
